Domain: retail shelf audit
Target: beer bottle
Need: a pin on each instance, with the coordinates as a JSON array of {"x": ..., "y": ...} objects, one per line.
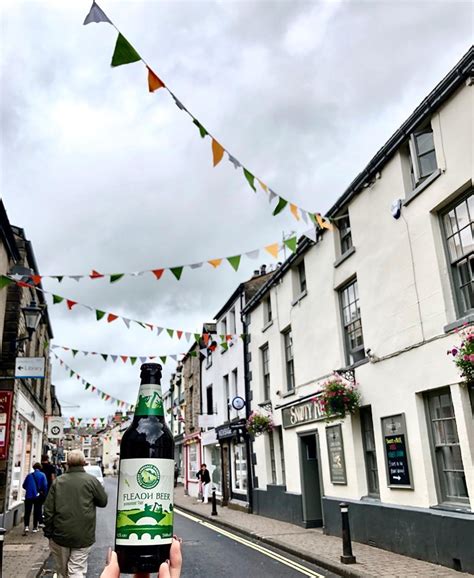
[{"x": 144, "y": 523}]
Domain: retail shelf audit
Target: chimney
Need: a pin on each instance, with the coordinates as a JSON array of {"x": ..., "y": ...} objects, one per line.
[
  {"x": 256, "y": 273},
  {"x": 263, "y": 270}
]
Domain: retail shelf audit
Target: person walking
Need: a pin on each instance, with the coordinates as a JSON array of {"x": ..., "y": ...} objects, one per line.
[
  {"x": 70, "y": 515},
  {"x": 205, "y": 479},
  {"x": 36, "y": 488},
  {"x": 48, "y": 470}
]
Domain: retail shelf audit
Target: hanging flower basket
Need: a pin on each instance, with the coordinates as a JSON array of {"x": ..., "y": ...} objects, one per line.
[
  {"x": 464, "y": 354},
  {"x": 258, "y": 423},
  {"x": 338, "y": 399}
]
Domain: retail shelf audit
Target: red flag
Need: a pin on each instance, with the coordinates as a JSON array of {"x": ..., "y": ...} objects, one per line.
[
  {"x": 111, "y": 317},
  {"x": 124, "y": 358},
  {"x": 36, "y": 279},
  {"x": 154, "y": 83},
  {"x": 95, "y": 274},
  {"x": 150, "y": 326},
  {"x": 158, "y": 273},
  {"x": 70, "y": 304},
  {"x": 179, "y": 334}
]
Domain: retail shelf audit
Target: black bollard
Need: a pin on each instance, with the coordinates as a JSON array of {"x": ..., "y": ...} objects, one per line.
[
  {"x": 347, "y": 556},
  {"x": 2, "y": 539},
  {"x": 214, "y": 505}
]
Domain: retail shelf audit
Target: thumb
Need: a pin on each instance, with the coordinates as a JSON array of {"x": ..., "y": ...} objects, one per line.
[
  {"x": 112, "y": 569},
  {"x": 164, "y": 570}
]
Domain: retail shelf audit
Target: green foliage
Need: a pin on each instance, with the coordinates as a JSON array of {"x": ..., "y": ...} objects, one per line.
[
  {"x": 464, "y": 354},
  {"x": 258, "y": 423},
  {"x": 338, "y": 399}
]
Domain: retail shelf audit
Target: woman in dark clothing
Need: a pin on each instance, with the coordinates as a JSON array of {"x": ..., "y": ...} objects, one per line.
[
  {"x": 36, "y": 488},
  {"x": 205, "y": 479}
]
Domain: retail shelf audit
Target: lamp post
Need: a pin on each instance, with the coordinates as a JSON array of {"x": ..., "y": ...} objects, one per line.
[{"x": 32, "y": 313}]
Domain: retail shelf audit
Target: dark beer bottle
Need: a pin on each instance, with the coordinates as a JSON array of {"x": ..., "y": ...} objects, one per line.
[{"x": 144, "y": 523}]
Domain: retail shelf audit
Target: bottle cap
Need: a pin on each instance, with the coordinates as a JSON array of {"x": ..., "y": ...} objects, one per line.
[{"x": 151, "y": 370}]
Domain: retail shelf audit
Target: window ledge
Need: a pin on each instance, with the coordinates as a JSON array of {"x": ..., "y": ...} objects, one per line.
[
  {"x": 344, "y": 256},
  {"x": 267, "y": 325},
  {"x": 458, "y": 509},
  {"x": 299, "y": 298},
  {"x": 421, "y": 187},
  {"x": 466, "y": 320},
  {"x": 288, "y": 393}
]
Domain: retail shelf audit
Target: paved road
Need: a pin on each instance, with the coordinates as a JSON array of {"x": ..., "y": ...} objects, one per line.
[{"x": 208, "y": 551}]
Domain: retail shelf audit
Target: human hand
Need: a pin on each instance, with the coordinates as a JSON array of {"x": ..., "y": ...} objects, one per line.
[{"x": 170, "y": 569}]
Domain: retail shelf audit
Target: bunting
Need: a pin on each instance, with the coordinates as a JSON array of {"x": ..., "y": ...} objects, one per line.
[
  {"x": 113, "y": 356},
  {"x": 125, "y": 53}
]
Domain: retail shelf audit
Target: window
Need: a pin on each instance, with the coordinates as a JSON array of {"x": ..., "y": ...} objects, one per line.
[
  {"x": 267, "y": 310},
  {"x": 224, "y": 326},
  {"x": 345, "y": 235},
  {"x": 282, "y": 455},
  {"x": 272, "y": 458},
  {"x": 422, "y": 155},
  {"x": 447, "y": 453},
  {"x": 369, "y": 451},
  {"x": 234, "y": 388},
  {"x": 458, "y": 224},
  {"x": 290, "y": 368},
  {"x": 352, "y": 323},
  {"x": 232, "y": 327},
  {"x": 240, "y": 468},
  {"x": 266, "y": 372},
  {"x": 191, "y": 406},
  {"x": 209, "y": 358},
  {"x": 226, "y": 398},
  {"x": 209, "y": 400},
  {"x": 301, "y": 277}
]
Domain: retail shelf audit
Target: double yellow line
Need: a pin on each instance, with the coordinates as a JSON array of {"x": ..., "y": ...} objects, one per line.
[{"x": 265, "y": 551}]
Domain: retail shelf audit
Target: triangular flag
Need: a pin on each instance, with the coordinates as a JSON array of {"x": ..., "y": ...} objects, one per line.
[
  {"x": 114, "y": 358},
  {"x": 250, "y": 178},
  {"x": 158, "y": 273},
  {"x": 323, "y": 223},
  {"x": 202, "y": 131},
  {"x": 215, "y": 262},
  {"x": 76, "y": 277},
  {"x": 177, "y": 272},
  {"x": 104, "y": 356},
  {"x": 124, "y": 52},
  {"x": 99, "y": 314},
  {"x": 271, "y": 195},
  {"x": 70, "y": 304},
  {"x": 217, "y": 152},
  {"x": 280, "y": 206},
  {"x": 96, "y": 14},
  {"x": 59, "y": 278},
  {"x": 4, "y": 281},
  {"x": 304, "y": 214},
  {"x": 154, "y": 83},
  {"x": 170, "y": 332},
  {"x": 36, "y": 279},
  {"x": 133, "y": 360},
  {"x": 294, "y": 211},
  {"x": 115, "y": 277},
  {"x": 197, "y": 265},
  {"x": 253, "y": 254},
  {"x": 311, "y": 234},
  {"x": 203, "y": 352},
  {"x": 234, "y": 261},
  {"x": 234, "y": 161},
  {"x": 126, "y": 321},
  {"x": 174, "y": 356},
  {"x": 74, "y": 352},
  {"x": 142, "y": 359},
  {"x": 57, "y": 299},
  {"x": 197, "y": 337},
  {"x": 124, "y": 358},
  {"x": 263, "y": 185},
  {"x": 163, "y": 359},
  {"x": 291, "y": 243},
  {"x": 187, "y": 336},
  {"x": 178, "y": 103},
  {"x": 179, "y": 334},
  {"x": 95, "y": 275},
  {"x": 273, "y": 249},
  {"x": 159, "y": 330},
  {"x": 88, "y": 385},
  {"x": 111, "y": 317}
]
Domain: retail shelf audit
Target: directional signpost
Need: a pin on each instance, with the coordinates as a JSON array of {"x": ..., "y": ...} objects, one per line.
[{"x": 29, "y": 367}]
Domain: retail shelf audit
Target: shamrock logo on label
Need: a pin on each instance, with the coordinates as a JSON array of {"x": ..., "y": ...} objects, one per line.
[{"x": 148, "y": 476}]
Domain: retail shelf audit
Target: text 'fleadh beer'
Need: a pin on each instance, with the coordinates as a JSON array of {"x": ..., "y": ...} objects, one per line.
[{"x": 144, "y": 526}]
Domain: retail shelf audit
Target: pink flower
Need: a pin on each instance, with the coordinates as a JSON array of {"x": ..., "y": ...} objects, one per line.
[
  {"x": 466, "y": 357},
  {"x": 471, "y": 358}
]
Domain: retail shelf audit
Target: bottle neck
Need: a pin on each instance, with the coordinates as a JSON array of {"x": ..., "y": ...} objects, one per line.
[{"x": 150, "y": 400}]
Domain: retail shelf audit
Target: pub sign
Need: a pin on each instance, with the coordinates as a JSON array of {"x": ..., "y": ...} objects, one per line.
[
  {"x": 397, "y": 457},
  {"x": 301, "y": 413},
  {"x": 337, "y": 463}
]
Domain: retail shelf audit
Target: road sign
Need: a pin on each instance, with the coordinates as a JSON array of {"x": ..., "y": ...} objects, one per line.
[
  {"x": 29, "y": 367},
  {"x": 55, "y": 427}
]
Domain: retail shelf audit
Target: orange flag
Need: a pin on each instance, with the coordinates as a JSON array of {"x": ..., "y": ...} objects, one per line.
[
  {"x": 273, "y": 249},
  {"x": 158, "y": 273},
  {"x": 215, "y": 262},
  {"x": 323, "y": 223},
  {"x": 294, "y": 211},
  {"x": 111, "y": 317},
  {"x": 154, "y": 83},
  {"x": 217, "y": 152}
]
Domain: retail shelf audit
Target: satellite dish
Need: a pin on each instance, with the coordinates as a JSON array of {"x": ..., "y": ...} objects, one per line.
[{"x": 396, "y": 208}]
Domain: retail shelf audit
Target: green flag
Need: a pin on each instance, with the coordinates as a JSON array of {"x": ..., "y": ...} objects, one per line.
[
  {"x": 291, "y": 244},
  {"x": 133, "y": 360},
  {"x": 115, "y": 277},
  {"x": 4, "y": 281},
  {"x": 124, "y": 52},
  {"x": 177, "y": 272},
  {"x": 104, "y": 356},
  {"x": 163, "y": 359},
  {"x": 99, "y": 314},
  {"x": 197, "y": 337},
  {"x": 71, "y": 373},
  {"x": 57, "y": 299},
  {"x": 170, "y": 332},
  {"x": 74, "y": 352},
  {"x": 281, "y": 205},
  {"x": 234, "y": 261},
  {"x": 88, "y": 385},
  {"x": 203, "y": 132},
  {"x": 250, "y": 178}
]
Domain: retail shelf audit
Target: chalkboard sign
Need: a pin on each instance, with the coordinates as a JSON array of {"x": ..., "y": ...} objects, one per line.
[
  {"x": 397, "y": 458},
  {"x": 337, "y": 464}
]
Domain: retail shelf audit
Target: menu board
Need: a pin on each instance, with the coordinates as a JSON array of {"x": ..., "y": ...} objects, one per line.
[
  {"x": 337, "y": 464},
  {"x": 397, "y": 459}
]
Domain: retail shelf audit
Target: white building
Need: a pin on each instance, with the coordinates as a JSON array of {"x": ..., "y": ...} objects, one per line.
[{"x": 379, "y": 298}]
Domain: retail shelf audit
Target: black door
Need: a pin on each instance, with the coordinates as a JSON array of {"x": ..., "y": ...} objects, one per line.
[{"x": 310, "y": 481}]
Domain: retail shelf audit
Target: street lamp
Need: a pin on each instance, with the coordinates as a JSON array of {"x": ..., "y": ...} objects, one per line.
[{"x": 32, "y": 314}]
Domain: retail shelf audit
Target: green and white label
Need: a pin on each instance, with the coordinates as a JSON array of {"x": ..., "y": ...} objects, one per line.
[
  {"x": 150, "y": 400},
  {"x": 145, "y": 502}
]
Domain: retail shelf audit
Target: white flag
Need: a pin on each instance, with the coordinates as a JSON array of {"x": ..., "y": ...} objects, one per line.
[{"x": 96, "y": 14}]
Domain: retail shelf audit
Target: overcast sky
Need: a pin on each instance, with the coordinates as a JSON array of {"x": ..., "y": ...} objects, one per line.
[{"x": 103, "y": 175}]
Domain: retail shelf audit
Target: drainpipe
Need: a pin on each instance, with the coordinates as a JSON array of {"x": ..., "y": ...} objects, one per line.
[{"x": 248, "y": 441}]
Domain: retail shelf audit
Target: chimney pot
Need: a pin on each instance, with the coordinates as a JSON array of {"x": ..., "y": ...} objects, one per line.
[{"x": 263, "y": 269}]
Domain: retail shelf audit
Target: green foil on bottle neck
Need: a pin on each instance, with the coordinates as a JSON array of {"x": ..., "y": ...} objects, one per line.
[{"x": 150, "y": 400}]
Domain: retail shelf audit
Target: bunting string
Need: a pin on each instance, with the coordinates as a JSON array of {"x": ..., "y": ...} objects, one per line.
[
  {"x": 132, "y": 359},
  {"x": 125, "y": 53},
  {"x": 273, "y": 249},
  {"x": 92, "y": 388}
]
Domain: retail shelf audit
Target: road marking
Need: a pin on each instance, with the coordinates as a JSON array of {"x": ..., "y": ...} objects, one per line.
[{"x": 278, "y": 557}]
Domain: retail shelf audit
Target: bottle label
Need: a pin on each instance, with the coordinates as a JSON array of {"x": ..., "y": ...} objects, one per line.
[
  {"x": 145, "y": 502},
  {"x": 150, "y": 400}
]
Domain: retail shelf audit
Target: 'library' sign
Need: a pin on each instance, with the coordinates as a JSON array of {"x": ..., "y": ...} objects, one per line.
[{"x": 301, "y": 413}]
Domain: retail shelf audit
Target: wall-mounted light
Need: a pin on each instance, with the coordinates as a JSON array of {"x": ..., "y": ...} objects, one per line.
[{"x": 32, "y": 313}]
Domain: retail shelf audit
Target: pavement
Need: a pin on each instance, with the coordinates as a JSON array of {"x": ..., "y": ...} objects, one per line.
[
  {"x": 24, "y": 556},
  {"x": 312, "y": 545}
]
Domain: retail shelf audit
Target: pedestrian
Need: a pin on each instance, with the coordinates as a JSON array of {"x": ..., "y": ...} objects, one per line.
[
  {"x": 48, "y": 470},
  {"x": 205, "y": 479},
  {"x": 169, "y": 569},
  {"x": 69, "y": 516},
  {"x": 36, "y": 488},
  {"x": 176, "y": 475}
]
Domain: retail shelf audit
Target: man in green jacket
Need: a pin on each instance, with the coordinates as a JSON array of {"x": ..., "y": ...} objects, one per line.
[{"x": 69, "y": 517}]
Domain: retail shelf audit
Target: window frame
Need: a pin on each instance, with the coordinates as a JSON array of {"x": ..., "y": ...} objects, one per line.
[
  {"x": 345, "y": 233},
  {"x": 302, "y": 281},
  {"x": 210, "y": 388},
  {"x": 266, "y": 376},
  {"x": 289, "y": 361},
  {"x": 370, "y": 455},
  {"x": 415, "y": 155},
  {"x": 267, "y": 311},
  {"x": 349, "y": 352},
  {"x": 454, "y": 276}
]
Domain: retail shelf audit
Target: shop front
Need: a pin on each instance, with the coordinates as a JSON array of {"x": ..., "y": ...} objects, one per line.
[
  {"x": 233, "y": 458},
  {"x": 193, "y": 460},
  {"x": 211, "y": 453}
]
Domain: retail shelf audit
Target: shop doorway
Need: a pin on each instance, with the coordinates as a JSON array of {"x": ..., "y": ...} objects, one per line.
[{"x": 311, "y": 480}]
